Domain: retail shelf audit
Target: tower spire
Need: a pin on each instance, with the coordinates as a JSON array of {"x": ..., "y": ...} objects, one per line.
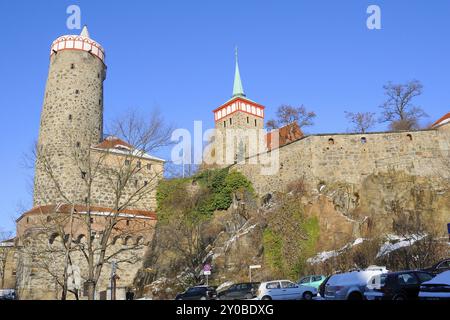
[
  {"x": 238, "y": 90},
  {"x": 85, "y": 32}
]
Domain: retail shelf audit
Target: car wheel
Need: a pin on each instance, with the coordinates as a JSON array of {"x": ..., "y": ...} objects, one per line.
[
  {"x": 355, "y": 296},
  {"x": 266, "y": 298},
  {"x": 399, "y": 298},
  {"x": 203, "y": 298},
  {"x": 307, "y": 295},
  {"x": 248, "y": 296}
]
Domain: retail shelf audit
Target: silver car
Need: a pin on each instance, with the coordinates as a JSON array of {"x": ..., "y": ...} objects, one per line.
[
  {"x": 350, "y": 285},
  {"x": 284, "y": 290}
]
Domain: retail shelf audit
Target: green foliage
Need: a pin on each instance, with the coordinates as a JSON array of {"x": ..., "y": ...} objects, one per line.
[
  {"x": 215, "y": 192},
  {"x": 289, "y": 240},
  {"x": 273, "y": 249},
  {"x": 220, "y": 184}
]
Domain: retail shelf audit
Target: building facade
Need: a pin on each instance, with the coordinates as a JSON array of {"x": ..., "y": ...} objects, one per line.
[{"x": 94, "y": 197}]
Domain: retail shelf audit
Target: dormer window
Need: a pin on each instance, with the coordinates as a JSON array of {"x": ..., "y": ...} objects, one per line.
[
  {"x": 127, "y": 162},
  {"x": 149, "y": 166},
  {"x": 138, "y": 164}
]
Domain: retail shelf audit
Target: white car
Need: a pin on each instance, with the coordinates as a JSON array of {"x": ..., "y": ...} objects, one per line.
[
  {"x": 284, "y": 290},
  {"x": 437, "y": 288},
  {"x": 351, "y": 285}
]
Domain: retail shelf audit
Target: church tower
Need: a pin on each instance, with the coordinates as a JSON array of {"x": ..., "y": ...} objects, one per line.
[
  {"x": 241, "y": 114},
  {"x": 72, "y": 115}
]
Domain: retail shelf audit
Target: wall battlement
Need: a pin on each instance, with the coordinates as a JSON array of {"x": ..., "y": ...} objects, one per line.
[{"x": 352, "y": 157}]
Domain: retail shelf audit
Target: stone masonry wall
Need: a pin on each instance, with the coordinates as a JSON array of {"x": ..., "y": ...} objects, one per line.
[
  {"x": 71, "y": 119},
  {"x": 41, "y": 259},
  {"x": 351, "y": 157}
]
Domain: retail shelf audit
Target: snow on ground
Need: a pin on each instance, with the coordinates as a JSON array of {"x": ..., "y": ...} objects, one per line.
[
  {"x": 241, "y": 232},
  {"x": 325, "y": 255},
  {"x": 395, "y": 242},
  {"x": 224, "y": 285}
]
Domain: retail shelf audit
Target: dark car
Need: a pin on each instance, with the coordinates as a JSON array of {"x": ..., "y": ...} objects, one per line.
[
  {"x": 402, "y": 285},
  {"x": 240, "y": 291},
  {"x": 198, "y": 293},
  {"x": 441, "y": 266}
]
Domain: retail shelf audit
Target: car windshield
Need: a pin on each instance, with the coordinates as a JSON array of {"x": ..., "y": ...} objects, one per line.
[
  {"x": 407, "y": 279},
  {"x": 424, "y": 276},
  {"x": 195, "y": 289},
  {"x": 304, "y": 280}
]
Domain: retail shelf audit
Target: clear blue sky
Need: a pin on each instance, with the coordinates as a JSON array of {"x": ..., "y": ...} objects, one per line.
[{"x": 179, "y": 56}]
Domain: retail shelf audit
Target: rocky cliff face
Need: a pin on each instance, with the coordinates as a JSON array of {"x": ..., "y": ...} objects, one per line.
[{"x": 309, "y": 229}]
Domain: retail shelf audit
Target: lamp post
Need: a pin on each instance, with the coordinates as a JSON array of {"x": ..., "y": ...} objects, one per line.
[
  {"x": 250, "y": 268},
  {"x": 113, "y": 280}
]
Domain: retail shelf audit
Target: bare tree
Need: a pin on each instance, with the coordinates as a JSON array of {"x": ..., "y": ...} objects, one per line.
[
  {"x": 287, "y": 114},
  {"x": 4, "y": 255},
  {"x": 399, "y": 110},
  {"x": 361, "y": 121},
  {"x": 130, "y": 183}
]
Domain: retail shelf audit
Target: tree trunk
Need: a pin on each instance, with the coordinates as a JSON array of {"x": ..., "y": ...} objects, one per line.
[{"x": 91, "y": 289}]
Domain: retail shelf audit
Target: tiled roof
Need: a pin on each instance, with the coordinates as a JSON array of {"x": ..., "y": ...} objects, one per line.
[
  {"x": 113, "y": 143},
  {"x": 444, "y": 119},
  {"x": 286, "y": 134},
  {"x": 118, "y": 146}
]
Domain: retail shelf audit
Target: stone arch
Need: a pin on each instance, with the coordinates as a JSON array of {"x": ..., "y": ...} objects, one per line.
[
  {"x": 53, "y": 237},
  {"x": 127, "y": 240},
  {"x": 139, "y": 240},
  {"x": 80, "y": 238},
  {"x": 115, "y": 239},
  {"x": 409, "y": 137},
  {"x": 330, "y": 141}
]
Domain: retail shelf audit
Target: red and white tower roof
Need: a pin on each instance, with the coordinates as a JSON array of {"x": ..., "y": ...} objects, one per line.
[
  {"x": 239, "y": 102},
  {"x": 81, "y": 42}
]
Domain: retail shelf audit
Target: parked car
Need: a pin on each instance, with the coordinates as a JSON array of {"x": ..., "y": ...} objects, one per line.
[
  {"x": 239, "y": 291},
  {"x": 7, "y": 294},
  {"x": 312, "y": 281},
  {"x": 441, "y": 266},
  {"x": 284, "y": 290},
  {"x": 350, "y": 285},
  {"x": 437, "y": 288},
  {"x": 198, "y": 293},
  {"x": 402, "y": 285}
]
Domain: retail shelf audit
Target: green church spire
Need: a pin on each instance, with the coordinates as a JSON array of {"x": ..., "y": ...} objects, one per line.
[{"x": 238, "y": 90}]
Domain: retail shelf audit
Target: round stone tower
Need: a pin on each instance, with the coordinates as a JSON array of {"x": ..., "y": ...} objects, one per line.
[{"x": 71, "y": 119}]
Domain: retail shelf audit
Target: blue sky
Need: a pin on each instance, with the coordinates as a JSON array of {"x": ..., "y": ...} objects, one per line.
[{"x": 179, "y": 56}]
